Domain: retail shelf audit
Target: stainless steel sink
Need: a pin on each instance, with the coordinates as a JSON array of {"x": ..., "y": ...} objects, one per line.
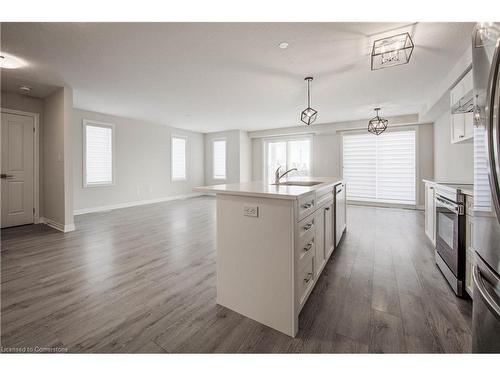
[{"x": 299, "y": 183}]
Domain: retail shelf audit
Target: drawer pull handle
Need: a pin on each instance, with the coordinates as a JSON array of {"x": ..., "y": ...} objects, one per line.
[
  {"x": 308, "y": 226},
  {"x": 307, "y": 205},
  {"x": 308, "y": 277},
  {"x": 308, "y": 247},
  {"x": 327, "y": 208}
]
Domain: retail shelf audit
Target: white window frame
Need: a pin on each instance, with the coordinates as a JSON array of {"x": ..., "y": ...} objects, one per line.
[
  {"x": 213, "y": 159},
  {"x": 101, "y": 124},
  {"x": 300, "y": 137},
  {"x": 178, "y": 179},
  {"x": 417, "y": 166}
]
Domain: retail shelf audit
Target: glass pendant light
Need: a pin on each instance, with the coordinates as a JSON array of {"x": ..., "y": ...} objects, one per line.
[
  {"x": 377, "y": 125},
  {"x": 476, "y": 114},
  {"x": 308, "y": 115}
]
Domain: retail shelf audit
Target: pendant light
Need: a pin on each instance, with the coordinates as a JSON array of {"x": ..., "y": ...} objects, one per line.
[
  {"x": 391, "y": 51},
  {"x": 377, "y": 125},
  {"x": 308, "y": 115}
]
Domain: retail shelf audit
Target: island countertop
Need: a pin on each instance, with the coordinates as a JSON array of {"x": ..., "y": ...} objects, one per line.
[{"x": 269, "y": 189}]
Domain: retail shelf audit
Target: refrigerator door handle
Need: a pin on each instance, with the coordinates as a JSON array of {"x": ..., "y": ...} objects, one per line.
[
  {"x": 492, "y": 130},
  {"x": 489, "y": 300}
]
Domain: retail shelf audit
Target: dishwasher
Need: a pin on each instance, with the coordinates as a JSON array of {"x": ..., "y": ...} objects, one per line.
[{"x": 340, "y": 212}]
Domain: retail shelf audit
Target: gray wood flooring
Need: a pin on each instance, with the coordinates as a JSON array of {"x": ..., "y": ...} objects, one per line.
[{"x": 142, "y": 279}]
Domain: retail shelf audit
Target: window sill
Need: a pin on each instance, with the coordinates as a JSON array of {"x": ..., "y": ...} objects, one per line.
[{"x": 99, "y": 185}]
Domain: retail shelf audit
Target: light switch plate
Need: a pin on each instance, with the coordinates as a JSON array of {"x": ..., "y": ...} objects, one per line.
[{"x": 251, "y": 211}]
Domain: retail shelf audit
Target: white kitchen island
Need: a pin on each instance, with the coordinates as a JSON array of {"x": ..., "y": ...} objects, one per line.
[{"x": 273, "y": 241}]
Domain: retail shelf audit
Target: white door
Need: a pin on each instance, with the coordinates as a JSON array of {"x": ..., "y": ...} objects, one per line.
[
  {"x": 17, "y": 170},
  {"x": 329, "y": 228}
]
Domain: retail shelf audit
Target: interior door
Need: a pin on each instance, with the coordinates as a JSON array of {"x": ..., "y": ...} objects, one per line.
[{"x": 17, "y": 167}]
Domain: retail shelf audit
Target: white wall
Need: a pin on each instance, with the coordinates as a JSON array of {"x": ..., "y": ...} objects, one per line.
[
  {"x": 327, "y": 149},
  {"x": 57, "y": 158},
  {"x": 452, "y": 162},
  {"x": 143, "y": 163},
  {"x": 245, "y": 157}
]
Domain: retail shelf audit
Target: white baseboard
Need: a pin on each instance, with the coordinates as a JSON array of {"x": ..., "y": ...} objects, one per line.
[
  {"x": 110, "y": 207},
  {"x": 58, "y": 226}
]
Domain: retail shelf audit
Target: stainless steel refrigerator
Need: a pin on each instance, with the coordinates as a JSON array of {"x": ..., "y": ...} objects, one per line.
[{"x": 486, "y": 237}]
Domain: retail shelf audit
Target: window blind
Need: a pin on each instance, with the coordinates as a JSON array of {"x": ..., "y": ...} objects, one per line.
[
  {"x": 482, "y": 194},
  {"x": 219, "y": 161},
  {"x": 380, "y": 168},
  {"x": 178, "y": 158},
  {"x": 98, "y": 154}
]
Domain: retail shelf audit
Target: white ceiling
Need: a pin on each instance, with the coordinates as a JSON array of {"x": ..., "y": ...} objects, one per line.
[{"x": 218, "y": 76}]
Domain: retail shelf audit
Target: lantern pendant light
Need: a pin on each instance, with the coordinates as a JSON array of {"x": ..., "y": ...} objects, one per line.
[
  {"x": 377, "y": 125},
  {"x": 308, "y": 115}
]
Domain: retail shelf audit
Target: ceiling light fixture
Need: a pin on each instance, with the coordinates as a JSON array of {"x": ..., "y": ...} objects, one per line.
[
  {"x": 377, "y": 125},
  {"x": 391, "y": 51},
  {"x": 8, "y": 61},
  {"x": 476, "y": 117},
  {"x": 283, "y": 45},
  {"x": 308, "y": 115}
]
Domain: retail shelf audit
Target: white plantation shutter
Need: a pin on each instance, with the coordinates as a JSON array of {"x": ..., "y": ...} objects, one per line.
[
  {"x": 98, "y": 153},
  {"x": 482, "y": 194},
  {"x": 178, "y": 158},
  {"x": 380, "y": 168},
  {"x": 219, "y": 154}
]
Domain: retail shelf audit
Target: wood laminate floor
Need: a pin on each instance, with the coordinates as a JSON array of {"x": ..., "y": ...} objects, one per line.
[{"x": 142, "y": 279}]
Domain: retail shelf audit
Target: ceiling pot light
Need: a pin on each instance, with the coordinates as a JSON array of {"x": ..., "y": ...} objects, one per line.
[
  {"x": 283, "y": 45},
  {"x": 308, "y": 115},
  {"x": 377, "y": 125},
  {"x": 391, "y": 51},
  {"x": 8, "y": 61}
]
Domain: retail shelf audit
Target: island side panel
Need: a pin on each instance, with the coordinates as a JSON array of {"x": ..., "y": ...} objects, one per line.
[{"x": 255, "y": 260}]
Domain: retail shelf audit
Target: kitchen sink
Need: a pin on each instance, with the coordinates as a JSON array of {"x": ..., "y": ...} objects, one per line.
[{"x": 299, "y": 183}]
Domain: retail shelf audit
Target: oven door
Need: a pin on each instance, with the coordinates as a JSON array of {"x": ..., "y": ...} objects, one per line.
[{"x": 447, "y": 232}]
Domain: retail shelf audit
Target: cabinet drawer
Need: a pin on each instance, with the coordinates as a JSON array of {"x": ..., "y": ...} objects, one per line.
[
  {"x": 306, "y": 227},
  {"x": 305, "y": 281},
  {"x": 306, "y": 205},
  {"x": 305, "y": 252},
  {"x": 325, "y": 199}
]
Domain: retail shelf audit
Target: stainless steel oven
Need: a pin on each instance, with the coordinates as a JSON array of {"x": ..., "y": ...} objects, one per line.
[{"x": 450, "y": 240}]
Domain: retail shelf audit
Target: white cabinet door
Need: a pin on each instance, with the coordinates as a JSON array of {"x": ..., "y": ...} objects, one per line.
[
  {"x": 340, "y": 212},
  {"x": 469, "y": 125},
  {"x": 430, "y": 213},
  {"x": 329, "y": 228},
  {"x": 319, "y": 238},
  {"x": 457, "y": 127}
]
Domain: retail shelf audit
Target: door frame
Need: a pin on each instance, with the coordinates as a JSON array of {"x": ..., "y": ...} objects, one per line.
[{"x": 36, "y": 150}]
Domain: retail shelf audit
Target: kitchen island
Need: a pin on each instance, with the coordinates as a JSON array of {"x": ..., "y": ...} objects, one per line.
[{"x": 273, "y": 241}]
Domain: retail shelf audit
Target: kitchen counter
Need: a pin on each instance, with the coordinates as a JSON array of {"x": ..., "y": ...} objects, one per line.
[
  {"x": 467, "y": 189},
  {"x": 273, "y": 242},
  {"x": 269, "y": 190}
]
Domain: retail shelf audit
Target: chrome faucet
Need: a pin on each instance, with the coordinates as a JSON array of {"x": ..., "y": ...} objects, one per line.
[{"x": 277, "y": 176}]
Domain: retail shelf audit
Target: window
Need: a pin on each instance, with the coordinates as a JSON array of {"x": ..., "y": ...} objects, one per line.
[
  {"x": 178, "y": 158},
  {"x": 219, "y": 151},
  {"x": 288, "y": 153},
  {"x": 380, "y": 168},
  {"x": 98, "y": 148}
]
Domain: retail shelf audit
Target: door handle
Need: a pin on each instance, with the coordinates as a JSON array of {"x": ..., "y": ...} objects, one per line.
[
  {"x": 6, "y": 176},
  {"x": 485, "y": 294}
]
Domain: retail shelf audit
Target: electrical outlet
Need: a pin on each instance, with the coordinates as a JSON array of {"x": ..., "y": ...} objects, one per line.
[{"x": 251, "y": 211}]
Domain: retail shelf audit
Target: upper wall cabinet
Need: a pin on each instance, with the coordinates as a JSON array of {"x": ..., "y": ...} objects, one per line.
[{"x": 461, "y": 103}]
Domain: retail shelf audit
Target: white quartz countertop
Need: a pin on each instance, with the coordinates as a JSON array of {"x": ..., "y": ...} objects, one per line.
[
  {"x": 269, "y": 190},
  {"x": 467, "y": 189}
]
